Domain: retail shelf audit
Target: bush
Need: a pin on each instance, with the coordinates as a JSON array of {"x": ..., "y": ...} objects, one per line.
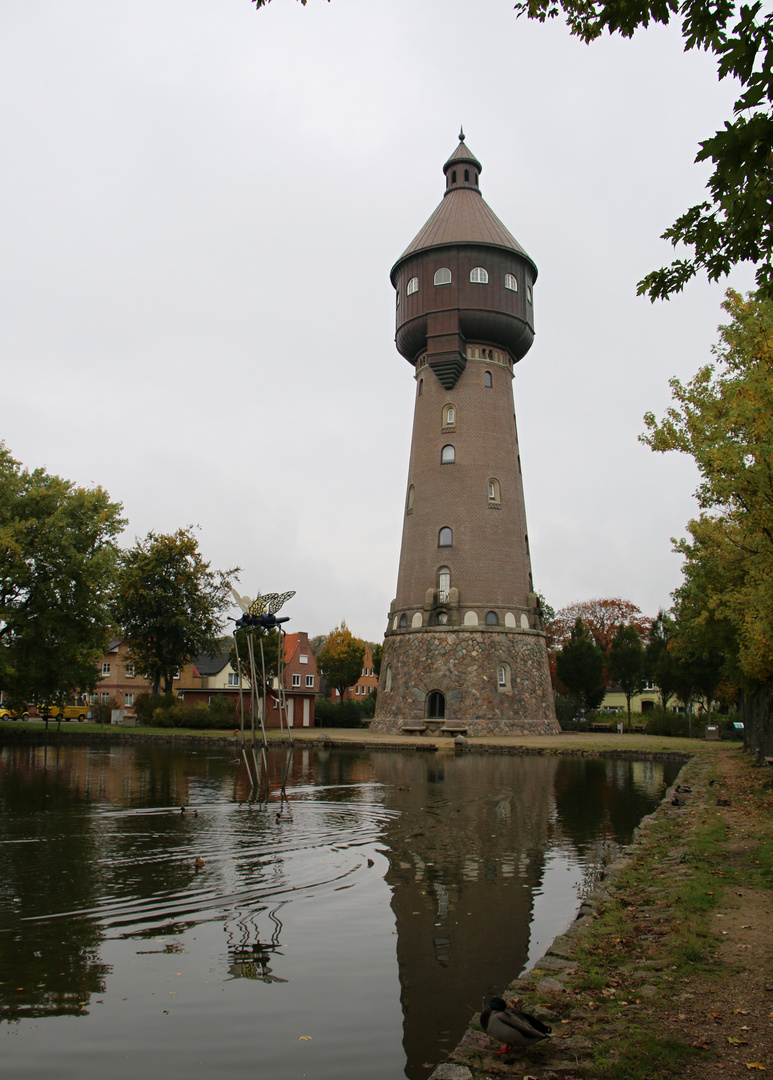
[
  {"x": 144, "y": 706},
  {"x": 101, "y": 710},
  {"x": 566, "y": 712},
  {"x": 347, "y": 714},
  {"x": 169, "y": 711}
]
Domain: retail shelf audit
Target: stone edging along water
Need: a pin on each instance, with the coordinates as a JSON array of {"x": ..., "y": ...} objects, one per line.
[{"x": 114, "y": 735}]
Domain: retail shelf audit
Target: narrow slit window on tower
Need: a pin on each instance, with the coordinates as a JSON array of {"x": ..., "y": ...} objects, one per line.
[
  {"x": 510, "y": 282},
  {"x": 442, "y": 276},
  {"x": 453, "y": 176},
  {"x": 528, "y": 293},
  {"x": 466, "y": 176},
  {"x": 447, "y": 455},
  {"x": 421, "y": 386},
  {"x": 487, "y": 380},
  {"x": 445, "y": 537},
  {"x": 411, "y": 494},
  {"x": 413, "y": 286},
  {"x": 479, "y": 274}
]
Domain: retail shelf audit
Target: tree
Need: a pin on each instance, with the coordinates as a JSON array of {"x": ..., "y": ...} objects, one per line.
[
  {"x": 626, "y": 663},
  {"x": 659, "y": 663},
  {"x": 601, "y": 617},
  {"x": 58, "y": 559},
  {"x": 377, "y": 652},
  {"x": 723, "y": 418},
  {"x": 340, "y": 661},
  {"x": 734, "y": 224},
  {"x": 580, "y": 667},
  {"x": 170, "y": 604}
]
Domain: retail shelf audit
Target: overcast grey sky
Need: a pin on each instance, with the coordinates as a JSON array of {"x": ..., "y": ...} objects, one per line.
[{"x": 199, "y": 208}]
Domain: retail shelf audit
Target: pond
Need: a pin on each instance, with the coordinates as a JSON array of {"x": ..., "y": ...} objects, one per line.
[{"x": 357, "y": 923}]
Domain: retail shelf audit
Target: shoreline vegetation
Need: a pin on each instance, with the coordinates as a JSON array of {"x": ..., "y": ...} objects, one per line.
[{"x": 668, "y": 968}]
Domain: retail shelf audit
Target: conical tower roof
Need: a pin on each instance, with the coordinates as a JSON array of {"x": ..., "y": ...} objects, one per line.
[{"x": 463, "y": 217}]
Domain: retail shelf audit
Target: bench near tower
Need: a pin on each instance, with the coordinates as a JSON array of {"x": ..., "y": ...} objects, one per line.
[{"x": 465, "y": 642}]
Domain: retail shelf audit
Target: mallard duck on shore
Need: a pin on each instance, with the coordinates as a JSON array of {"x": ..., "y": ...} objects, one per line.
[{"x": 511, "y": 1027}]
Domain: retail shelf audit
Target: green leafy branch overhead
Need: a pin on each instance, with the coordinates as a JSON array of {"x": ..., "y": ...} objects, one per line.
[{"x": 734, "y": 224}]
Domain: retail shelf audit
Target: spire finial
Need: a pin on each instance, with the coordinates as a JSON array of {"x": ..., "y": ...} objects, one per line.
[{"x": 461, "y": 134}]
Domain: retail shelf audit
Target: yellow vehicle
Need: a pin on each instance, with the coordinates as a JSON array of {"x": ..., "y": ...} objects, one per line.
[
  {"x": 73, "y": 710},
  {"x": 6, "y": 714}
]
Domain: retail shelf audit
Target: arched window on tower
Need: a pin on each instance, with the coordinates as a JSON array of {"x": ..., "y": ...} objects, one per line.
[
  {"x": 403, "y": 621},
  {"x": 479, "y": 274},
  {"x": 447, "y": 455},
  {"x": 413, "y": 286},
  {"x": 445, "y": 538},
  {"x": 466, "y": 176},
  {"x": 421, "y": 387},
  {"x": 493, "y": 491},
  {"x": 449, "y": 416},
  {"x": 511, "y": 282},
  {"x": 442, "y": 276},
  {"x": 411, "y": 494},
  {"x": 453, "y": 176},
  {"x": 528, "y": 293},
  {"x": 492, "y": 619},
  {"x": 487, "y": 380},
  {"x": 443, "y": 584}
]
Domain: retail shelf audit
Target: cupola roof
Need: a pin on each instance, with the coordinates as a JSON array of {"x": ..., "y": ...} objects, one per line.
[{"x": 463, "y": 217}]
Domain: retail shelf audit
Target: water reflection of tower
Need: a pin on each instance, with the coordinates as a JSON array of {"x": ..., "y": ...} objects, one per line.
[{"x": 451, "y": 923}]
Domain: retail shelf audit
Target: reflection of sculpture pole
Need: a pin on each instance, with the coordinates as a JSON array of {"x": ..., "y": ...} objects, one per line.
[{"x": 241, "y": 708}]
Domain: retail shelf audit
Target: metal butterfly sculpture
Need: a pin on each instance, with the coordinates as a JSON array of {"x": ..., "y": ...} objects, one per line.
[{"x": 262, "y": 610}]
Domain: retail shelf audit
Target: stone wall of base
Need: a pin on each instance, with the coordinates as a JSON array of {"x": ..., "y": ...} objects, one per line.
[{"x": 463, "y": 665}]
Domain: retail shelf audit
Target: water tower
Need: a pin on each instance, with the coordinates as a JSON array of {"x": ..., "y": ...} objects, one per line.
[{"x": 465, "y": 641}]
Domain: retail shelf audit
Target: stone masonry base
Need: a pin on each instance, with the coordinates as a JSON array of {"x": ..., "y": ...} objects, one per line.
[{"x": 464, "y": 665}]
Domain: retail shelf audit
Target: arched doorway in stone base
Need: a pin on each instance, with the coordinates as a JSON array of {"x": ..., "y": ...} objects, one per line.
[{"x": 436, "y": 705}]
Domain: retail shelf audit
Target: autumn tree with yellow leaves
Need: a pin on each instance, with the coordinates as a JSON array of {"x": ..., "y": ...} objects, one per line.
[
  {"x": 723, "y": 418},
  {"x": 340, "y": 660}
]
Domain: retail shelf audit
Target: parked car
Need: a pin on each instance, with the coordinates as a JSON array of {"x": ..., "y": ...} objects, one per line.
[{"x": 6, "y": 714}]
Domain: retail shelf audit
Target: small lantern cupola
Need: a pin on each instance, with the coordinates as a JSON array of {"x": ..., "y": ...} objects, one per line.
[{"x": 462, "y": 169}]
